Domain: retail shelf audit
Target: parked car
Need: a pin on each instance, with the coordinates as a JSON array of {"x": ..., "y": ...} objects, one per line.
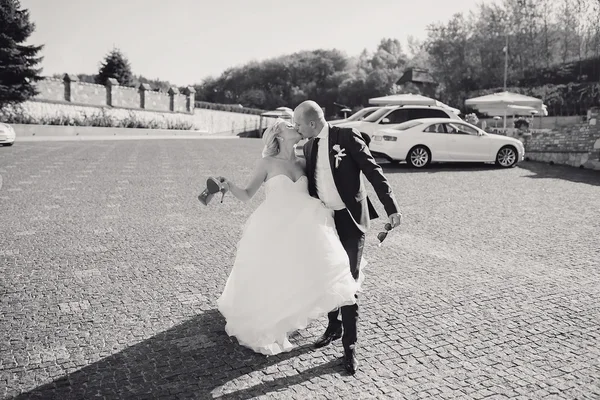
[
  {"x": 357, "y": 116},
  {"x": 7, "y": 135},
  {"x": 422, "y": 141},
  {"x": 392, "y": 116}
]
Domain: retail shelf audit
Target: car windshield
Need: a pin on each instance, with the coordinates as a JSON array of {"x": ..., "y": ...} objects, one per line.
[
  {"x": 369, "y": 113},
  {"x": 364, "y": 115},
  {"x": 407, "y": 125},
  {"x": 376, "y": 115},
  {"x": 360, "y": 114}
]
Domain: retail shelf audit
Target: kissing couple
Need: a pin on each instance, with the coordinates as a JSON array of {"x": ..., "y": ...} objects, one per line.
[{"x": 301, "y": 251}]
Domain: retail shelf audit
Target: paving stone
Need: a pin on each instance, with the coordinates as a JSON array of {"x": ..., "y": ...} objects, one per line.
[{"x": 111, "y": 269}]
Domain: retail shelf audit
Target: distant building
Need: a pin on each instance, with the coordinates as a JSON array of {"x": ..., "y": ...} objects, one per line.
[{"x": 417, "y": 81}]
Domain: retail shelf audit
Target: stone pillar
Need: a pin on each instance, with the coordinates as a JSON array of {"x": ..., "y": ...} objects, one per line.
[
  {"x": 111, "y": 84},
  {"x": 190, "y": 98},
  {"x": 144, "y": 87},
  {"x": 173, "y": 92},
  {"x": 68, "y": 80}
]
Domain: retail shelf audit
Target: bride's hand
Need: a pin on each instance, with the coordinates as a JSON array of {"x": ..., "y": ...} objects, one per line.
[{"x": 224, "y": 182}]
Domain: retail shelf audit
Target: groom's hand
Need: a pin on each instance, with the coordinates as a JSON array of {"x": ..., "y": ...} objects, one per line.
[{"x": 395, "y": 219}]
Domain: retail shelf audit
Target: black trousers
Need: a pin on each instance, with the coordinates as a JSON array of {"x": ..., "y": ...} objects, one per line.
[{"x": 353, "y": 240}]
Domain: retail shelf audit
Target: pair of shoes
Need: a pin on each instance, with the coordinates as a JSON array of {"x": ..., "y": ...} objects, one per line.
[
  {"x": 329, "y": 336},
  {"x": 350, "y": 361}
]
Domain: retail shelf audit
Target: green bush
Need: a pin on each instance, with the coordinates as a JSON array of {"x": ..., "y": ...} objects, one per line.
[{"x": 18, "y": 114}]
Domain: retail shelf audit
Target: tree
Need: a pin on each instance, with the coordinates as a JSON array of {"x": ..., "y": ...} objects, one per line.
[
  {"x": 418, "y": 56},
  {"x": 116, "y": 66},
  {"x": 452, "y": 56},
  {"x": 17, "y": 61}
]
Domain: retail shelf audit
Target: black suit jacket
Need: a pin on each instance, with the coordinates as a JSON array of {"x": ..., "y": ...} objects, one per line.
[{"x": 348, "y": 175}]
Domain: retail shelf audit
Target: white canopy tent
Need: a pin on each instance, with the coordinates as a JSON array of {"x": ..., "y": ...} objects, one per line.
[
  {"x": 507, "y": 103},
  {"x": 410, "y": 99}
]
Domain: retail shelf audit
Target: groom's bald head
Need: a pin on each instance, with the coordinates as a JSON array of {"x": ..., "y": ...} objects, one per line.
[
  {"x": 309, "y": 118},
  {"x": 309, "y": 110}
]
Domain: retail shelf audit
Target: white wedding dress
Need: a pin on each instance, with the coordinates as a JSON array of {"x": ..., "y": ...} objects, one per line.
[{"x": 290, "y": 268}]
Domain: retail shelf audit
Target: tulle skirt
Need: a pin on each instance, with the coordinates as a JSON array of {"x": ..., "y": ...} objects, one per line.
[{"x": 290, "y": 268}]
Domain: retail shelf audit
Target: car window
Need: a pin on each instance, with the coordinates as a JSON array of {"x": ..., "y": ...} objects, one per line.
[
  {"x": 376, "y": 115},
  {"x": 435, "y": 128},
  {"x": 461, "y": 129},
  {"x": 416, "y": 113},
  {"x": 407, "y": 125},
  {"x": 397, "y": 117},
  {"x": 438, "y": 114}
]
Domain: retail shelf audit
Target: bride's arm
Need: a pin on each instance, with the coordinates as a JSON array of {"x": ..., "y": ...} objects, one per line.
[{"x": 260, "y": 174}]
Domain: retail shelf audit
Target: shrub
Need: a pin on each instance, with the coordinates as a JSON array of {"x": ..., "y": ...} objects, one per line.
[
  {"x": 42, "y": 113},
  {"x": 472, "y": 118}
]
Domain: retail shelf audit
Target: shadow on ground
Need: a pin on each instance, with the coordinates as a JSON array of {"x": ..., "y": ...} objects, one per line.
[
  {"x": 391, "y": 168},
  {"x": 565, "y": 172},
  {"x": 191, "y": 360},
  {"x": 540, "y": 170}
]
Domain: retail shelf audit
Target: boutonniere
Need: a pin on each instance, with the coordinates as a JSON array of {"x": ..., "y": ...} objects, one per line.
[{"x": 340, "y": 153}]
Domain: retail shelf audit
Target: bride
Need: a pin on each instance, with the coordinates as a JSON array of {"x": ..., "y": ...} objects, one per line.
[{"x": 290, "y": 266}]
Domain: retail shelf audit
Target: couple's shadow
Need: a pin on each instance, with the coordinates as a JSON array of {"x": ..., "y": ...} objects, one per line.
[{"x": 192, "y": 360}]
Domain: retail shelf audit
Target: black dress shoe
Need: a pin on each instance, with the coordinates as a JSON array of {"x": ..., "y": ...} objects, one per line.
[
  {"x": 329, "y": 336},
  {"x": 350, "y": 361}
]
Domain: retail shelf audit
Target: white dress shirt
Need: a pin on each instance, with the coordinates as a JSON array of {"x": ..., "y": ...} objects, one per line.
[{"x": 326, "y": 189}]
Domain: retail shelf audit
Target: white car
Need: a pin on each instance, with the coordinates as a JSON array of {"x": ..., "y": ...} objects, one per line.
[
  {"x": 357, "y": 116},
  {"x": 7, "y": 135},
  {"x": 420, "y": 142},
  {"x": 392, "y": 116}
]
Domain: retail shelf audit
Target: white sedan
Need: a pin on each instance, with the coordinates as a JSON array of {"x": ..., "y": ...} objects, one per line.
[
  {"x": 7, "y": 135},
  {"x": 422, "y": 141}
]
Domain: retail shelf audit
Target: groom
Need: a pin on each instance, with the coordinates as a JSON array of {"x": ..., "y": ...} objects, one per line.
[{"x": 336, "y": 159}]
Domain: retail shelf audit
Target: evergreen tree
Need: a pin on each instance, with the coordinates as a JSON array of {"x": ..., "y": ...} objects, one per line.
[
  {"x": 116, "y": 66},
  {"x": 17, "y": 60}
]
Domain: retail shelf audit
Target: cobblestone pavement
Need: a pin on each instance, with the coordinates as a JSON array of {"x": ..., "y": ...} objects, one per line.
[{"x": 110, "y": 268}]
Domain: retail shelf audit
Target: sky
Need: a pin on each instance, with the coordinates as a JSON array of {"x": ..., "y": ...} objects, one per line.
[{"x": 185, "y": 41}]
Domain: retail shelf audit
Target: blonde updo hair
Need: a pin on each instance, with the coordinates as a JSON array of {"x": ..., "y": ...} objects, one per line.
[{"x": 270, "y": 138}]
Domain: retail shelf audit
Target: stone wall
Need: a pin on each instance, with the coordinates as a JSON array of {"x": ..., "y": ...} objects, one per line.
[
  {"x": 180, "y": 102},
  {"x": 156, "y": 101},
  {"x": 126, "y": 97},
  {"x": 229, "y": 123},
  {"x": 212, "y": 122},
  {"x": 59, "y": 113},
  {"x": 553, "y": 122},
  {"x": 88, "y": 93},
  {"x": 51, "y": 89},
  {"x": 68, "y": 98},
  {"x": 577, "y": 145},
  {"x": 71, "y": 90}
]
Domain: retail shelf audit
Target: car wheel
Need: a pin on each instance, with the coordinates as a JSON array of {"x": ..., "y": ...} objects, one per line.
[
  {"x": 507, "y": 157},
  {"x": 9, "y": 144},
  {"x": 419, "y": 157}
]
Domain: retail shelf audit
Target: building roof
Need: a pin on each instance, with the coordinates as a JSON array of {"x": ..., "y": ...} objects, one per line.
[{"x": 418, "y": 75}]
